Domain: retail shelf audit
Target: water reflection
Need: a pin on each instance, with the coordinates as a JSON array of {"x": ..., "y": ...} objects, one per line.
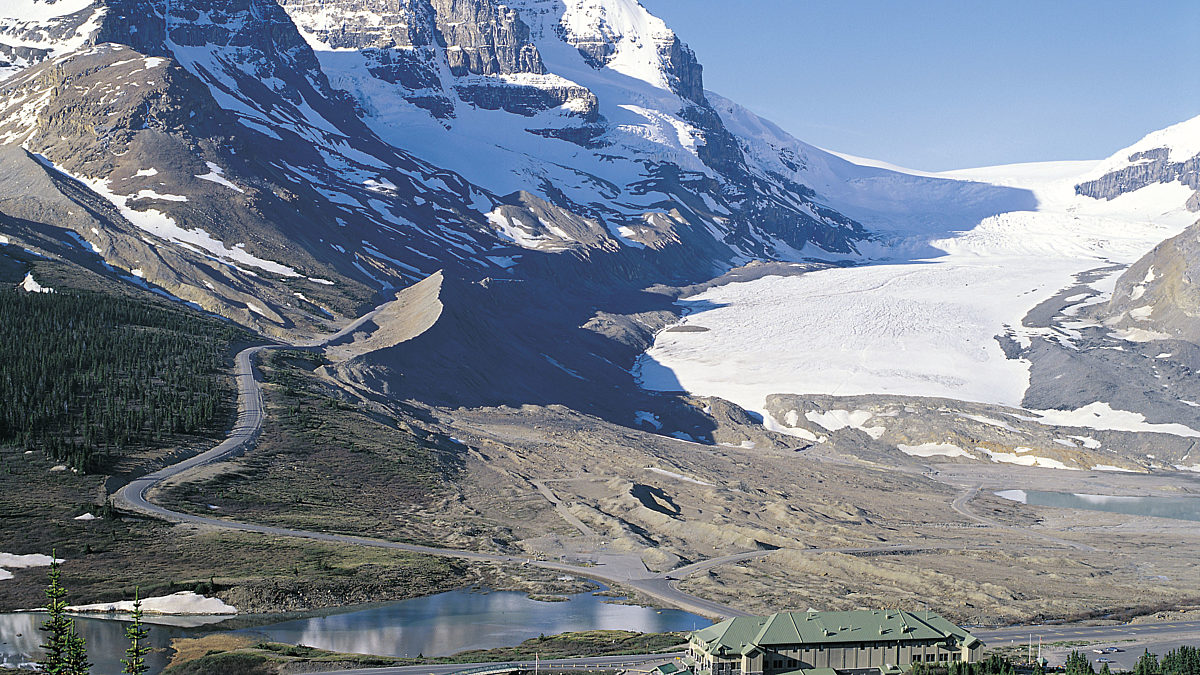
[
  {"x": 451, "y": 622},
  {"x": 20, "y": 641},
  {"x": 436, "y": 625},
  {"x": 1179, "y": 508}
]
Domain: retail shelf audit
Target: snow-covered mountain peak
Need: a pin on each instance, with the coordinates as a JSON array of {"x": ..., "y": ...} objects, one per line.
[
  {"x": 1180, "y": 141},
  {"x": 624, "y": 36},
  {"x": 1169, "y": 156},
  {"x": 33, "y": 30},
  {"x": 372, "y": 142}
]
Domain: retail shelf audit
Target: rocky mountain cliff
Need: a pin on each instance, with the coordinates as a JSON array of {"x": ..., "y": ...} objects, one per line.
[
  {"x": 1157, "y": 298},
  {"x": 1171, "y": 155},
  {"x": 288, "y": 164}
]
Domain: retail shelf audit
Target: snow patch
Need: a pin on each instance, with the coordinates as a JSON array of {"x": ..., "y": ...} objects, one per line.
[
  {"x": 772, "y": 424},
  {"x": 30, "y": 285},
  {"x": 10, "y": 561},
  {"x": 934, "y": 450},
  {"x": 841, "y": 419},
  {"x": 647, "y": 417},
  {"x": 990, "y": 421},
  {"x": 677, "y": 476},
  {"x": 214, "y": 175},
  {"x": 1025, "y": 459},
  {"x": 1102, "y": 416},
  {"x": 147, "y": 193},
  {"x": 1141, "y": 313},
  {"x": 1013, "y": 495},
  {"x": 183, "y": 602}
]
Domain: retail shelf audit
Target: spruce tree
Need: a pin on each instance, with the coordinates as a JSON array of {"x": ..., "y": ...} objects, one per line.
[
  {"x": 136, "y": 633},
  {"x": 1147, "y": 664},
  {"x": 1078, "y": 664},
  {"x": 1104, "y": 669},
  {"x": 57, "y": 626},
  {"x": 76, "y": 662}
]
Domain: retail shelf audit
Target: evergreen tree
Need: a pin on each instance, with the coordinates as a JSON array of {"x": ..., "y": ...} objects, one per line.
[
  {"x": 1182, "y": 661},
  {"x": 136, "y": 633},
  {"x": 57, "y": 626},
  {"x": 1104, "y": 669},
  {"x": 1078, "y": 664},
  {"x": 1147, "y": 664},
  {"x": 76, "y": 661}
]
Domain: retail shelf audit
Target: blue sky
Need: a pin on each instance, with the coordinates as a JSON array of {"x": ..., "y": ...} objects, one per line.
[{"x": 942, "y": 84}]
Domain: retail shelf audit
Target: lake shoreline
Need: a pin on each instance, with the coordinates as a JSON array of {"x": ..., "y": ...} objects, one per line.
[{"x": 438, "y": 625}]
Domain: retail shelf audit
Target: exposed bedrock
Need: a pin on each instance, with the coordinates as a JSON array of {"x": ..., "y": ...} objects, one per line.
[{"x": 1149, "y": 167}]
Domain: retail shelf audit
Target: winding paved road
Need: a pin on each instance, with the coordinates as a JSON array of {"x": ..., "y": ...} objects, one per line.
[
  {"x": 661, "y": 586},
  {"x": 133, "y": 497},
  {"x": 960, "y": 505}
]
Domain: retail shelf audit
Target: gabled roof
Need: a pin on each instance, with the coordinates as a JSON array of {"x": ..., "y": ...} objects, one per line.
[
  {"x": 743, "y": 634},
  {"x": 730, "y": 635},
  {"x": 951, "y": 628}
]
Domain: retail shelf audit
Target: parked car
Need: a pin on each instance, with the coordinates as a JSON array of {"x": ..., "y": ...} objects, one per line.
[{"x": 1103, "y": 660}]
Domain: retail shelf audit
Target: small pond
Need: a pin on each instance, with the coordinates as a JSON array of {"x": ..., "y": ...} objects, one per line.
[
  {"x": 1180, "y": 508},
  {"x": 434, "y": 625}
]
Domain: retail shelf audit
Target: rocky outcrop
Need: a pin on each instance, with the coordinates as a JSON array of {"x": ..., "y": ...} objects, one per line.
[
  {"x": 886, "y": 427},
  {"x": 485, "y": 38},
  {"x": 1159, "y": 295},
  {"x": 1146, "y": 167},
  {"x": 528, "y": 100},
  {"x": 411, "y": 43}
]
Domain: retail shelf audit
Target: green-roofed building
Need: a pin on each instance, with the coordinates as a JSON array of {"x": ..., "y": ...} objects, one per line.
[{"x": 826, "y": 643}]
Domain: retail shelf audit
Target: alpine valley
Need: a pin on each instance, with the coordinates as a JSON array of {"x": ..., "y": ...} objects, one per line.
[{"x": 531, "y": 291}]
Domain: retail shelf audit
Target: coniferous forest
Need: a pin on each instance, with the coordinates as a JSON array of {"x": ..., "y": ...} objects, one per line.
[{"x": 87, "y": 376}]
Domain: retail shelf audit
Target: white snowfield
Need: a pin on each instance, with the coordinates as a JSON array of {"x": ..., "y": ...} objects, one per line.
[
  {"x": 30, "y": 285},
  {"x": 12, "y": 561},
  {"x": 934, "y": 450},
  {"x": 924, "y": 326},
  {"x": 184, "y": 602}
]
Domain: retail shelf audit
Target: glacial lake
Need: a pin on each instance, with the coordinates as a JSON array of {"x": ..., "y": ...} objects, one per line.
[
  {"x": 435, "y": 625},
  {"x": 1179, "y": 508}
]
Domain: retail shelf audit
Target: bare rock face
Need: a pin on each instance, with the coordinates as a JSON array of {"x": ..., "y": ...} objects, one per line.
[
  {"x": 483, "y": 38},
  {"x": 1146, "y": 168},
  {"x": 411, "y": 43},
  {"x": 1158, "y": 297},
  {"x": 888, "y": 427},
  {"x": 529, "y": 101}
]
